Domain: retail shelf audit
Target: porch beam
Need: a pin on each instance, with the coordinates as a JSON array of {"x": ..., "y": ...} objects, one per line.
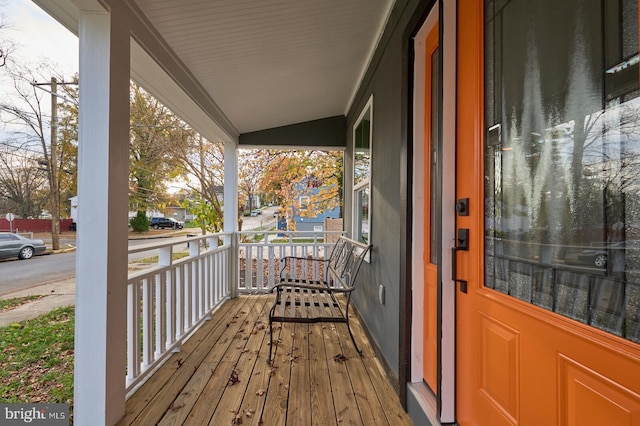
[
  {"x": 101, "y": 267},
  {"x": 326, "y": 133}
]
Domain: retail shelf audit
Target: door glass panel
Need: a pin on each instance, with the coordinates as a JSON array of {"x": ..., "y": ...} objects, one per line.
[
  {"x": 562, "y": 158},
  {"x": 434, "y": 171}
]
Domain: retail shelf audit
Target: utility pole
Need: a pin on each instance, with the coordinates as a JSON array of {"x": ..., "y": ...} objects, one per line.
[{"x": 52, "y": 161}]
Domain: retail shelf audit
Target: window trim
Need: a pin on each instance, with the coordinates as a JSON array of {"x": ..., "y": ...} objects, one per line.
[{"x": 365, "y": 183}]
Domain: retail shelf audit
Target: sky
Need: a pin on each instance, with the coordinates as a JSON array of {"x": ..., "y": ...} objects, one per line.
[{"x": 37, "y": 36}]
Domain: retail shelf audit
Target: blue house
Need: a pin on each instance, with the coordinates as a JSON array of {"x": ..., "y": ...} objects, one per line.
[{"x": 308, "y": 223}]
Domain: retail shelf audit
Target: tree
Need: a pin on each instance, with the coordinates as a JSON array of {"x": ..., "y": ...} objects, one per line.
[
  {"x": 201, "y": 165},
  {"x": 251, "y": 167},
  {"x": 6, "y": 46},
  {"x": 206, "y": 216},
  {"x": 25, "y": 110},
  {"x": 68, "y": 147},
  {"x": 154, "y": 130},
  {"x": 22, "y": 184},
  {"x": 140, "y": 223},
  {"x": 315, "y": 175}
]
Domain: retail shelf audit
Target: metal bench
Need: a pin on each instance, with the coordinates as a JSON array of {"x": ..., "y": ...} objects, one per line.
[{"x": 303, "y": 299}]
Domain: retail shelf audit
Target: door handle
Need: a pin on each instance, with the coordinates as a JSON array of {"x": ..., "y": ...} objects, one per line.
[{"x": 462, "y": 244}]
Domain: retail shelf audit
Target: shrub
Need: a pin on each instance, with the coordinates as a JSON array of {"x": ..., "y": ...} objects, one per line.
[{"x": 140, "y": 223}]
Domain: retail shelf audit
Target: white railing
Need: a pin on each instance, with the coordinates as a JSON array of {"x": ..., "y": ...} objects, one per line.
[
  {"x": 170, "y": 299},
  {"x": 259, "y": 254},
  {"x": 167, "y": 302}
]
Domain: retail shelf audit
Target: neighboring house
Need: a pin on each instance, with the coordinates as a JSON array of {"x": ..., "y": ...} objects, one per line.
[
  {"x": 219, "y": 191},
  {"x": 73, "y": 212},
  {"x": 177, "y": 213},
  {"x": 253, "y": 202},
  {"x": 452, "y": 114},
  {"x": 308, "y": 223}
]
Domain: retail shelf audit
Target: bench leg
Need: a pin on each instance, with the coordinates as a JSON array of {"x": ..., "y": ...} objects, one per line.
[
  {"x": 270, "y": 340},
  {"x": 352, "y": 338}
]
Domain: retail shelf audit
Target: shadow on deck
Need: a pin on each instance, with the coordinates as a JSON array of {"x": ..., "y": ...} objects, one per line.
[{"x": 221, "y": 376}]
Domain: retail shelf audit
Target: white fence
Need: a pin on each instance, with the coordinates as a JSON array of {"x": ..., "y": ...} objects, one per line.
[
  {"x": 259, "y": 255},
  {"x": 168, "y": 301}
]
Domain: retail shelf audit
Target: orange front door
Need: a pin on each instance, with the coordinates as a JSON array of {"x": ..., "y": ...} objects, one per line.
[
  {"x": 548, "y": 331},
  {"x": 431, "y": 210}
]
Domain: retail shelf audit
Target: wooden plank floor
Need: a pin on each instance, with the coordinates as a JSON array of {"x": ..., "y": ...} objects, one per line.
[{"x": 221, "y": 376}]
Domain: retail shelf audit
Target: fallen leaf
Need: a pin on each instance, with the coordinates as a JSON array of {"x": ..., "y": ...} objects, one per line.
[
  {"x": 340, "y": 358},
  {"x": 233, "y": 378},
  {"x": 260, "y": 392},
  {"x": 176, "y": 407}
]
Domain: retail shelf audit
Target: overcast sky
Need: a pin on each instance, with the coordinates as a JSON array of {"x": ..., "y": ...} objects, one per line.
[
  {"x": 37, "y": 39},
  {"x": 38, "y": 36}
]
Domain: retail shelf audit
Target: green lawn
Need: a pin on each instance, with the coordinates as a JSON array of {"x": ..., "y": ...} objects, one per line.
[
  {"x": 36, "y": 359},
  {"x": 6, "y": 304}
]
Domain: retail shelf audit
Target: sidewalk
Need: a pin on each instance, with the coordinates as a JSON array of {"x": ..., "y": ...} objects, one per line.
[
  {"x": 63, "y": 293},
  {"x": 57, "y": 295}
]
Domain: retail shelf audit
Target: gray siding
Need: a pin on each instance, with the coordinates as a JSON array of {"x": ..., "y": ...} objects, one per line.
[
  {"x": 386, "y": 80},
  {"x": 325, "y": 132}
]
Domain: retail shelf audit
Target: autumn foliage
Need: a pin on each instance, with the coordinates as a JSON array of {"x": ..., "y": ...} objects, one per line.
[{"x": 289, "y": 176}]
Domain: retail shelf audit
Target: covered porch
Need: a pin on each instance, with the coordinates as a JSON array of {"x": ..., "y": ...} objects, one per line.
[
  {"x": 220, "y": 376},
  {"x": 286, "y": 74},
  {"x": 198, "y": 340}
]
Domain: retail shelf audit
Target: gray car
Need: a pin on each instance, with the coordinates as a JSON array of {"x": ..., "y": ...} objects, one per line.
[{"x": 14, "y": 245}]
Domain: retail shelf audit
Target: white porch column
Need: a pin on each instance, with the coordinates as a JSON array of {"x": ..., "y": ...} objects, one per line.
[
  {"x": 101, "y": 271},
  {"x": 231, "y": 209}
]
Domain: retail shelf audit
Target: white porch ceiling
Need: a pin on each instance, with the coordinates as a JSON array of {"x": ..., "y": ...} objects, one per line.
[
  {"x": 235, "y": 66},
  {"x": 268, "y": 63}
]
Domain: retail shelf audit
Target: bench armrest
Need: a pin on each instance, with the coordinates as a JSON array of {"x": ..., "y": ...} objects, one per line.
[
  {"x": 308, "y": 259},
  {"x": 313, "y": 287}
]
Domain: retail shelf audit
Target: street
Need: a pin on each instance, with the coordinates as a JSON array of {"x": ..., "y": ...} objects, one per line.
[{"x": 23, "y": 274}]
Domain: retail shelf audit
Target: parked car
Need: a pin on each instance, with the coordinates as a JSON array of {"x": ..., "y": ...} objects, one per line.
[
  {"x": 166, "y": 222},
  {"x": 14, "y": 245},
  {"x": 256, "y": 212},
  {"x": 598, "y": 257}
]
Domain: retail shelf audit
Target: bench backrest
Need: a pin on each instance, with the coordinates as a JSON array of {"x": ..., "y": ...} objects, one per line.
[{"x": 345, "y": 260}]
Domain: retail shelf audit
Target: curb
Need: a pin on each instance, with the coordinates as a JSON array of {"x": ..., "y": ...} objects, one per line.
[{"x": 57, "y": 294}]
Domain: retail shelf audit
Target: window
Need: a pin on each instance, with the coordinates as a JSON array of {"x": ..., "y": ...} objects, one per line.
[
  {"x": 562, "y": 150},
  {"x": 304, "y": 201},
  {"x": 362, "y": 175}
]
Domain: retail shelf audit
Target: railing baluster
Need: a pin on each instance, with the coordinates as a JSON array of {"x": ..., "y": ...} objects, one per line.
[
  {"x": 147, "y": 323},
  {"x": 159, "y": 308},
  {"x": 271, "y": 267},
  {"x": 171, "y": 307},
  {"x": 194, "y": 293},
  {"x": 248, "y": 262},
  {"x": 202, "y": 288},
  {"x": 259, "y": 268},
  {"x": 179, "y": 302},
  {"x": 133, "y": 331}
]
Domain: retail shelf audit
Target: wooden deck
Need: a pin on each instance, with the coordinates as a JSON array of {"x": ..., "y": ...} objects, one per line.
[{"x": 221, "y": 376}]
